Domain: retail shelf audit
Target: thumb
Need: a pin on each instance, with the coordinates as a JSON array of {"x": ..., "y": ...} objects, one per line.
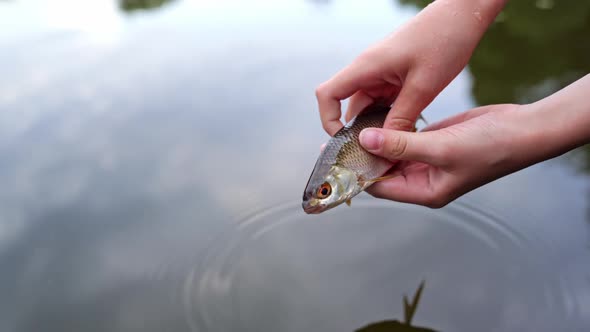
[{"x": 402, "y": 145}]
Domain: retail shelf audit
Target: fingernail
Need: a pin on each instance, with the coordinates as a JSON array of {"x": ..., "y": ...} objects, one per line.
[{"x": 371, "y": 139}]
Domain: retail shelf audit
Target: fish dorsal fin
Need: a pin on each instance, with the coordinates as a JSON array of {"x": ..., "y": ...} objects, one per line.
[
  {"x": 420, "y": 117},
  {"x": 378, "y": 105}
]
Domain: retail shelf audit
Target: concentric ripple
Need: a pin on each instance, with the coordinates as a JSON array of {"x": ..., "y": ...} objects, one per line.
[{"x": 282, "y": 270}]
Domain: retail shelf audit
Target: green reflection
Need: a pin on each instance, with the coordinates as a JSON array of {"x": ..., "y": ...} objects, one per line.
[
  {"x": 135, "y": 5},
  {"x": 535, "y": 48},
  {"x": 397, "y": 326}
]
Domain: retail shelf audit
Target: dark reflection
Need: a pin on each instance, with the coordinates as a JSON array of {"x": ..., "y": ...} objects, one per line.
[
  {"x": 530, "y": 52},
  {"x": 397, "y": 326},
  {"x": 136, "y": 5}
]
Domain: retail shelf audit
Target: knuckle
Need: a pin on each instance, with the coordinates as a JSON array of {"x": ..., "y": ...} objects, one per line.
[
  {"x": 441, "y": 152},
  {"x": 321, "y": 91},
  {"x": 436, "y": 201},
  {"x": 437, "y": 204},
  {"x": 400, "y": 124},
  {"x": 424, "y": 90},
  {"x": 326, "y": 126},
  {"x": 421, "y": 89},
  {"x": 420, "y": 84},
  {"x": 396, "y": 146}
]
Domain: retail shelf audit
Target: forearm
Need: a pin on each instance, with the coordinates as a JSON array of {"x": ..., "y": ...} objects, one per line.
[
  {"x": 471, "y": 16},
  {"x": 561, "y": 122},
  {"x": 452, "y": 29}
]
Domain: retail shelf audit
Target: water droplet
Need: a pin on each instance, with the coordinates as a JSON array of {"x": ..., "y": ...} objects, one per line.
[{"x": 477, "y": 16}]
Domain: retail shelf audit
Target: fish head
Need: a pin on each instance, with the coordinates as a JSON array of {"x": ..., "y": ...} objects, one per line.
[{"x": 329, "y": 187}]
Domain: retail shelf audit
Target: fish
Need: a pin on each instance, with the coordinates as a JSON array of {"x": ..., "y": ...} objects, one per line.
[{"x": 344, "y": 168}]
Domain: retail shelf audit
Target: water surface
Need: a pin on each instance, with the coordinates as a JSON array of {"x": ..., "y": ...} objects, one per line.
[{"x": 154, "y": 154}]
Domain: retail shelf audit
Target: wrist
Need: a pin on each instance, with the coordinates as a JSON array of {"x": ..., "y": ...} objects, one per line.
[
  {"x": 478, "y": 14},
  {"x": 458, "y": 23},
  {"x": 560, "y": 122}
]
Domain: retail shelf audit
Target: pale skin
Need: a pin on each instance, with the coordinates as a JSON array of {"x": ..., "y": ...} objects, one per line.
[{"x": 466, "y": 151}]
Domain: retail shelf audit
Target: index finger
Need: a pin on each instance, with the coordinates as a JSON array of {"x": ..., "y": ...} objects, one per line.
[{"x": 329, "y": 94}]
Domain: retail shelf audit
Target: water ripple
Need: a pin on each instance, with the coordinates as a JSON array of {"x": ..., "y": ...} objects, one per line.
[{"x": 277, "y": 260}]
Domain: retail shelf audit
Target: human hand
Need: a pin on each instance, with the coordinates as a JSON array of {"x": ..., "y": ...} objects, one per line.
[
  {"x": 452, "y": 157},
  {"x": 411, "y": 66}
]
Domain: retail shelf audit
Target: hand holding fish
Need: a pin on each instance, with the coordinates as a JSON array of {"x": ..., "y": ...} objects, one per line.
[
  {"x": 411, "y": 66},
  {"x": 448, "y": 159},
  {"x": 466, "y": 151}
]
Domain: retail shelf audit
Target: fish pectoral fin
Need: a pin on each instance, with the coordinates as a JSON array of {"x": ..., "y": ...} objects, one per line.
[
  {"x": 348, "y": 201},
  {"x": 381, "y": 178}
]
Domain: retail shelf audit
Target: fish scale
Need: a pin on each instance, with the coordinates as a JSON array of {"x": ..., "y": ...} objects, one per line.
[
  {"x": 345, "y": 149},
  {"x": 344, "y": 168}
]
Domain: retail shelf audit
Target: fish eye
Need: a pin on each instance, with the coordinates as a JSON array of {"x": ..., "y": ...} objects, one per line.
[{"x": 324, "y": 190}]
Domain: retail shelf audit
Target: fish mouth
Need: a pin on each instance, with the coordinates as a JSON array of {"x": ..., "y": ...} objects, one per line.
[{"x": 315, "y": 209}]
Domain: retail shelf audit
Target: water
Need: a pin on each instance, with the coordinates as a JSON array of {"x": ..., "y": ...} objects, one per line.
[{"x": 154, "y": 155}]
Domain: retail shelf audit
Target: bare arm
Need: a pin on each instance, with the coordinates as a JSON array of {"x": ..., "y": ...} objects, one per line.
[{"x": 564, "y": 117}]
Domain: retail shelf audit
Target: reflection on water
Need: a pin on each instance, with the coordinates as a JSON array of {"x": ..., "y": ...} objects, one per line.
[
  {"x": 151, "y": 174},
  {"x": 532, "y": 51},
  {"x": 397, "y": 326},
  {"x": 279, "y": 270},
  {"x": 135, "y": 5}
]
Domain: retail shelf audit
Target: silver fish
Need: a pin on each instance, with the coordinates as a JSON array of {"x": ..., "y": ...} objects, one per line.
[{"x": 344, "y": 168}]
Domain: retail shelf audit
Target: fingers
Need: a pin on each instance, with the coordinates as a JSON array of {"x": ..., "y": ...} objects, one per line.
[
  {"x": 398, "y": 189},
  {"x": 461, "y": 117},
  {"x": 403, "y": 189},
  {"x": 357, "y": 103},
  {"x": 417, "y": 183},
  {"x": 343, "y": 85},
  {"x": 401, "y": 145},
  {"x": 415, "y": 95}
]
